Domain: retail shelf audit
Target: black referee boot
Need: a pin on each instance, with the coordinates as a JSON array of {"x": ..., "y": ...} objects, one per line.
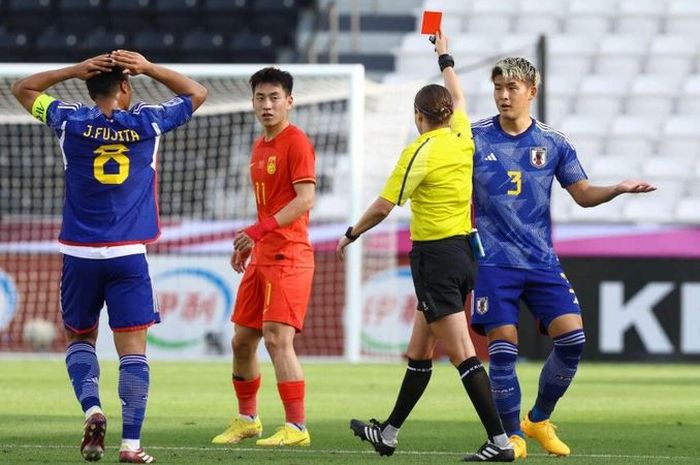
[
  {"x": 490, "y": 452},
  {"x": 373, "y": 434}
]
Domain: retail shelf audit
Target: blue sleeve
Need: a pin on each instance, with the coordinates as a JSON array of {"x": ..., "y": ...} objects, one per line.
[
  {"x": 58, "y": 112},
  {"x": 569, "y": 169},
  {"x": 165, "y": 116}
]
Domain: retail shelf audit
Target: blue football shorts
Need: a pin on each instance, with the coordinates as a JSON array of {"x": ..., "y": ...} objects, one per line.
[
  {"x": 123, "y": 283},
  {"x": 547, "y": 293}
]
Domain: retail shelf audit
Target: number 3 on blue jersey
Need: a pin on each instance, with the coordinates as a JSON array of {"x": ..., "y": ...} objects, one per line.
[
  {"x": 516, "y": 177},
  {"x": 105, "y": 153}
]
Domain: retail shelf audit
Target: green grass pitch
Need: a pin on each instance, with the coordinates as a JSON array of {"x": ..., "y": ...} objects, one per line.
[{"x": 613, "y": 414}]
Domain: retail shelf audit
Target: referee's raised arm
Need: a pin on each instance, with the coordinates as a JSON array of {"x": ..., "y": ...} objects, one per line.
[{"x": 447, "y": 63}]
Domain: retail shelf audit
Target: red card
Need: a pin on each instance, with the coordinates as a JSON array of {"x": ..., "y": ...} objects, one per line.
[{"x": 431, "y": 22}]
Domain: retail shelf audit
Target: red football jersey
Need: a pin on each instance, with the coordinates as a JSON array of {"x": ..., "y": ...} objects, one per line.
[{"x": 275, "y": 166}]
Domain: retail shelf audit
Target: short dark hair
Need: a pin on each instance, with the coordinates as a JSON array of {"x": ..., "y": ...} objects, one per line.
[
  {"x": 435, "y": 103},
  {"x": 104, "y": 84},
  {"x": 271, "y": 75}
]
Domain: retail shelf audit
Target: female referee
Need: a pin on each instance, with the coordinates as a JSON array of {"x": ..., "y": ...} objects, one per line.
[{"x": 435, "y": 172}]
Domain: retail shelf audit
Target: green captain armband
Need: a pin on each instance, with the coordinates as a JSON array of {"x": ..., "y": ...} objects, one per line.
[{"x": 41, "y": 106}]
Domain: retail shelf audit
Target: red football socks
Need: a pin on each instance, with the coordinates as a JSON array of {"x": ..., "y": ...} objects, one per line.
[{"x": 247, "y": 394}]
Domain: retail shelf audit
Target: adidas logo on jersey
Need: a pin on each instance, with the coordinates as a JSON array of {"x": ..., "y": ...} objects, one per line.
[{"x": 491, "y": 157}]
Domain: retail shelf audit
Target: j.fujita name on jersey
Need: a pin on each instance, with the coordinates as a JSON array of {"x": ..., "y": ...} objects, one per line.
[{"x": 109, "y": 134}]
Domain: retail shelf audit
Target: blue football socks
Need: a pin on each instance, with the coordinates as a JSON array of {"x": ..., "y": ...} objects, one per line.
[
  {"x": 84, "y": 373},
  {"x": 558, "y": 372},
  {"x": 504, "y": 384},
  {"x": 133, "y": 391}
]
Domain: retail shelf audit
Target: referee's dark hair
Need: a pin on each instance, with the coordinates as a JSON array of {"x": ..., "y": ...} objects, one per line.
[
  {"x": 435, "y": 103},
  {"x": 104, "y": 84},
  {"x": 271, "y": 75}
]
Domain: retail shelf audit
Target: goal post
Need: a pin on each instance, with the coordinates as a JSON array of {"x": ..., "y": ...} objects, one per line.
[{"x": 205, "y": 197}]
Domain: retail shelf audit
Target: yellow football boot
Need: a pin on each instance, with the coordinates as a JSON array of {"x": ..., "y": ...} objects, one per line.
[
  {"x": 239, "y": 430},
  {"x": 544, "y": 433},
  {"x": 286, "y": 436},
  {"x": 519, "y": 446}
]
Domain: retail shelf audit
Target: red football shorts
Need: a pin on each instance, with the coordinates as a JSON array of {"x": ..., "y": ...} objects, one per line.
[{"x": 273, "y": 293}]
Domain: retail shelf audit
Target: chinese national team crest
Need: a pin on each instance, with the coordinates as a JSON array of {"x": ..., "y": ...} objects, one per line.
[
  {"x": 271, "y": 165},
  {"x": 482, "y": 305},
  {"x": 538, "y": 156}
]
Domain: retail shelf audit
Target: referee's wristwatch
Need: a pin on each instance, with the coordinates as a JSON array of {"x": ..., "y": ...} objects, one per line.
[{"x": 350, "y": 235}]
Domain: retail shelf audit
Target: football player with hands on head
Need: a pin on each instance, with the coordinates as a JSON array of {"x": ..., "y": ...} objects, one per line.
[{"x": 109, "y": 215}]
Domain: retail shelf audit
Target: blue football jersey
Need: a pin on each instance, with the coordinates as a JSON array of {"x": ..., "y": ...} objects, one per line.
[
  {"x": 110, "y": 169},
  {"x": 512, "y": 190}
]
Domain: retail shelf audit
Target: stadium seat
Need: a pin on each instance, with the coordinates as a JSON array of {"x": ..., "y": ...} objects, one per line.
[
  {"x": 52, "y": 44},
  {"x": 602, "y": 95},
  {"x": 31, "y": 17},
  {"x": 524, "y": 45},
  {"x": 680, "y": 134},
  {"x": 281, "y": 28},
  {"x": 621, "y": 54},
  {"x": 249, "y": 48},
  {"x": 561, "y": 90},
  {"x": 641, "y": 17},
  {"x": 176, "y": 15},
  {"x": 683, "y": 17},
  {"x": 414, "y": 56},
  {"x": 571, "y": 54},
  {"x": 647, "y": 209},
  {"x": 539, "y": 17},
  {"x": 653, "y": 94},
  {"x": 671, "y": 54},
  {"x": 630, "y": 136},
  {"x": 688, "y": 210},
  {"x": 77, "y": 14},
  {"x": 276, "y": 7},
  {"x": 689, "y": 100},
  {"x": 14, "y": 46},
  {"x": 102, "y": 41},
  {"x": 666, "y": 167},
  {"x": 227, "y": 6},
  {"x": 589, "y": 17},
  {"x": 133, "y": 16},
  {"x": 204, "y": 47},
  {"x": 161, "y": 46},
  {"x": 226, "y": 16},
  {"x": 489, "y": 17},
  {"x": 586, "y": 134},
  {"x": 614, "y": 166},
  {"x": 584, "y": 125}
]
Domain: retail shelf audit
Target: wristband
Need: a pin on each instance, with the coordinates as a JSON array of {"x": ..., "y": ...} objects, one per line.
[
  {"x": 350, "y": 235},
  {"x": 445, "y": 61},
  {"x": 261, "y": 228}
]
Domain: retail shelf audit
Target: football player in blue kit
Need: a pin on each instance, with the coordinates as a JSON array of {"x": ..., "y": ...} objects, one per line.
[
  {"x": 110, "y": 212},
  {"x": 516, "y": 161}
]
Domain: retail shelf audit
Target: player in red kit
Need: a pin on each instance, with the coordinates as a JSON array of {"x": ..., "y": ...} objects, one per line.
[{"x": 274, "y": 292}]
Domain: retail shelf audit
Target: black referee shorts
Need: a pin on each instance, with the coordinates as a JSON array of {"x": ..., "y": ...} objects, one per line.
[{"x": 444, "y": 272}]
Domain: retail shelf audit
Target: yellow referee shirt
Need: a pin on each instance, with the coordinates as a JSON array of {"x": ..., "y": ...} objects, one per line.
[{"x": 435, "y": 172}]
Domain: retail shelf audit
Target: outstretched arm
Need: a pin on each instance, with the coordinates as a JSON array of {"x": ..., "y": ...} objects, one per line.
[
  {"x": 449, "y": 75},
  {"x": 375, "y": 214},
  {"x": 28, "y": 89},
  {"x": 587, "y": 195},
  {"x": 136, "y": 64}
]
